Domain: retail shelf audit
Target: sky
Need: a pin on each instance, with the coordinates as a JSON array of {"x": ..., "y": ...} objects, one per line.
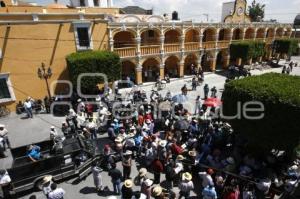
[{"x": 282, "y": 10}]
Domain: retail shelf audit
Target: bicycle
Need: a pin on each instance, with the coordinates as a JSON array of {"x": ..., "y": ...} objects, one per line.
[{"x": 4, "y": 111}]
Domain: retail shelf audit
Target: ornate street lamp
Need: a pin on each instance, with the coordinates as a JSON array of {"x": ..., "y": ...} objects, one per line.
[{"x": 45, "y": 74}]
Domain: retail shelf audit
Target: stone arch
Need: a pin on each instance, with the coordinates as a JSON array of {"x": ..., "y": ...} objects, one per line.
[
  {"x": 249, "y": 33},
  {"x": 123, "y": 39},
  {"x": 128, "y": 69},
  {"x": 172, "y": 64},
  {"x": 260, "y": 33},
  {"x": 150, "y": 37},
  {"x": 209, "y": 34},
  {"x": 130, "y": 18},
  {"x": 191, "y": 35},
  {"x": 155, "y": 18},
  {"x": 279, "y": 32},
  {"x": 172, "y": 36},
  {"x": 224, "y": 34},
  {"x": 237, "y": 34},
  {"x": 270, "y": 33},
  {"x": 150, "y": 69},
  {"x": 190, "y": 63}
]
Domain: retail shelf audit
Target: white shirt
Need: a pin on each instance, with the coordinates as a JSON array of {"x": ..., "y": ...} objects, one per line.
[
  {"x": 57, "y": 194},
  {"x": 3, "y": 132},
  {"x": 5, "y": 179},
  {"x": 27, "y": 104}
]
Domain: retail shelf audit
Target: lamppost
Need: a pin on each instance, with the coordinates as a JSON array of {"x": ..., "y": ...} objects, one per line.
[{"x": 45, "y": 74}]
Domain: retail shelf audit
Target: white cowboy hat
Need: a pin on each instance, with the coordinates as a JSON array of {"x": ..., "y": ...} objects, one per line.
[
  {"x": 128, "y": 183},
  {"x": 47, "y": 179},
  {"x": 79, "y": 100},
  {"x": 193, "y": 153},
  {"x": 148, "y": 121},
  {"x": 157, "y": 191},
  {"x": 52, "y": 127},
  {"x": 142, "y": 171},
  {"x": 128, "y": 152},
  {"x": 162, "y": 143},
  {"x": 180, "y": 157},
  {"x": 148, "y": 182},
  {"x": 230, "y": 160},
  {"x": 115, "y": 120},
  {"x": 2, "y": 125},
  {"x": 187, "y": 176}
]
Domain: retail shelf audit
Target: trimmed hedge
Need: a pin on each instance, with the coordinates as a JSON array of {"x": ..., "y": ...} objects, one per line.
[
  {"x": 104, "y": 62},
  {"x": 286, "y": 46},
  {"x": 280, "y": 94},
  {"x": 247, "y": 49}
]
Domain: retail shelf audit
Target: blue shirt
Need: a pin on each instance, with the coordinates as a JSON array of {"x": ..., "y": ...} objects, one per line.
[
  {"x": 34, "y": 153},
  {"x": 209, "y": 193}
]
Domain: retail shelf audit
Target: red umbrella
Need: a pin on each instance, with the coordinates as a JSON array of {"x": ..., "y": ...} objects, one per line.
[{"x": 212, "y": 102}]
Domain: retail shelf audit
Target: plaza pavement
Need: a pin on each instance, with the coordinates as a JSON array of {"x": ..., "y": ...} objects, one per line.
[{"x": 27, "y": 131}]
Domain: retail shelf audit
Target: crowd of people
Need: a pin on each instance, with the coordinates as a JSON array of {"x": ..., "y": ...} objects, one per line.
[{"x": 201, "y": 156}]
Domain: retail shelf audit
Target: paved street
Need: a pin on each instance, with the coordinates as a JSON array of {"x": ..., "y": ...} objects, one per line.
[{"x": 26, "y": 131}]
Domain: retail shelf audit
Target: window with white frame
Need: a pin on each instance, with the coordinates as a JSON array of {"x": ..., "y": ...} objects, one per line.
[
  {"x": 6, "y": 90},
  {"x": 83, "y": 36}
]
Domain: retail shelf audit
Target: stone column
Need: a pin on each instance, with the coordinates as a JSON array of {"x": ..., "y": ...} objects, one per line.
[
  {"x": 111, "y": 41},
  {"x": 217, "y": 39},
  {"x": 213, "y": 62},
  {"x": 226, "y": 61},
  {"x": 162, "y": 71},
  {"x": 199, "y": 62},
  {"x": 238, "y": 61},
  {"x": 249, "y": 61},
  {"x": 162, "y": 43},
  {"x": 243, "y": 33},
  {"x": 265, "y": 36},
  {"x": 181, "y": 68},
  {"x": 255, "y": 34},
  {"x": 259, "y": 59},
  {"x": 182, "y": 38},
  {"x": 230, "y": 35},
  {"x": 138, "y": 45},
  {"x": 138, "y": 74},
  {"x": 200, "y": 39}
]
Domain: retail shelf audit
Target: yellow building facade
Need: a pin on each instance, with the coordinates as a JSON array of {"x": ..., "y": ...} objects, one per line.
[{"x": 148, "y": 45}]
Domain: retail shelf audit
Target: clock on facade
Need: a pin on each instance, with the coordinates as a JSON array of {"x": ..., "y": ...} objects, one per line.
[{"x": 240, "y": 11}]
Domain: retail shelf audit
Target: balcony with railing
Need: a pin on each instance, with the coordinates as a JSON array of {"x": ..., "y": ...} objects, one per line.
[
  {"x": 150, "y": 50},
  {"x": 209, "y": 45},
  {"x": 171, "y": 48},
  {"x": 191, "y": 46},
  {"x": 125, "y": 52},
  {"x": 223, "y": 44}
]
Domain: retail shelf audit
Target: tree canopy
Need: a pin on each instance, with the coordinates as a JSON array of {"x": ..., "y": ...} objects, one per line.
[{"x": 256, "y": 11}]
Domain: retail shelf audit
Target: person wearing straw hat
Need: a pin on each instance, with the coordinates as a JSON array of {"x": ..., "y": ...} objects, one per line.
[
  {"x": 157, "y": 193},
  {"x": 127, "y": 163},
  {"x": 126, "y": 190},
  {"x": 206, "y": 178},
  {"x": 186, "y": 185},
  {"x": 141, "y": 177},
  {"x": 146, "y": 188},
  {"x": 46, "y": 187}
]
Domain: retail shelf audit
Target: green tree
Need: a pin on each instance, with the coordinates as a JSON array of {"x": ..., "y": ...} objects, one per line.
[
  {"x": 105, "y": 62},
  {"x": 256, "y": 11}
]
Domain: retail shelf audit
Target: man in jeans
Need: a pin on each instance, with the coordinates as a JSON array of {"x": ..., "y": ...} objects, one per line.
[
  {"x": 28, "y": 108},
  {"x": 116, "y": 176}
]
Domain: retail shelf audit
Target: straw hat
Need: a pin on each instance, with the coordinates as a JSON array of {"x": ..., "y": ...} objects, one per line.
[
  {"x": 47, "y": 179},
  {"x": 162, "y": 143},
  {"x": 192, "y": 153},
  {"x": 128, "y": 183},
  {"x": 142, "y": 172},
  {"x": 128, "y": 152},
  {"x": 118, "y": 139},
  {"x": 180, "y": 157},
  {"x": 130, "y": 135},
  {"x": 148, "y": 182},
  {"x": 187, "y": 176},
  {"x": 157, "y": 191}
]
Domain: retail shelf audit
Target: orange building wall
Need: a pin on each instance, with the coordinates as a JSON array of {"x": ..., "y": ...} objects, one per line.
[{"x": 24, "y": 47}]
